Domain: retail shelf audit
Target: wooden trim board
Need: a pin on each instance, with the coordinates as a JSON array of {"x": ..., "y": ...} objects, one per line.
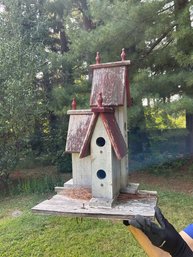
[{"x": 126, "y": 206}]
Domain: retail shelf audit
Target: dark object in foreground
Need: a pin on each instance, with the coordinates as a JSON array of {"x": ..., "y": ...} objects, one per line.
[{"x": 164, "y": 236}]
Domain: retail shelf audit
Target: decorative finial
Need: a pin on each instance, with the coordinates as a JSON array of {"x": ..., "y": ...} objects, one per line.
[
  {"x": 123, "y": 55},
  {"x": 74, "y": 104},
  {"x": 98, "y": 59},
  {"x": 100, "y": 100}
]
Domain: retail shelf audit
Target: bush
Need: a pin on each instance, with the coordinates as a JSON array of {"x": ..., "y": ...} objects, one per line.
[
  {"x": 64, "y": 163},
  {"x": 33, "y": 185}
]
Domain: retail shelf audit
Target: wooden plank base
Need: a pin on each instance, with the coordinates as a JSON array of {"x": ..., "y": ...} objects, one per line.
[{"x": 75, "y": 202}]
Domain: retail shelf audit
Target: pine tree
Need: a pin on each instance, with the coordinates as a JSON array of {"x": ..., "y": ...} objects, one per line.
[
  {"x": 58, "y": 40},
  {"x": 157, "y": 36},
  {"x": 184, "y": 53}
]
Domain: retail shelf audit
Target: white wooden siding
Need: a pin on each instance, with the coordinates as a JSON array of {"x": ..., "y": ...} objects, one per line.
[
  {"x": 103, "y": 158},
  {"x": 81, "y": 170}
]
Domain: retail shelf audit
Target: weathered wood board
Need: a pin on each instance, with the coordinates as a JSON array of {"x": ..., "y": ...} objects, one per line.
[{"x": 125, "y": 207}]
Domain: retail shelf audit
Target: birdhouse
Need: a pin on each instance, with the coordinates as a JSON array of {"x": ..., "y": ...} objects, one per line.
[
  {"x": 97, "y": 141},
  {"x": 97, "y": 138}
]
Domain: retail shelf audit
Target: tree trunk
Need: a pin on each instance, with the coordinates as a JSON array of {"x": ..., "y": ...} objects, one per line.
[
  {"x": 189, "y": 138},
  {"x": 63, "y": 41},
  {"x": 87, "y": 21},
  {"x": 180, "y": 5},
  {"x": 185, "y": 45}
]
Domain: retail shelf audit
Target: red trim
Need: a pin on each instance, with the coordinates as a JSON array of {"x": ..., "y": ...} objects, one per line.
[
  {"x": 113, "y": 131},
  {"x": 115, "y": 135},
  {"x": 110, "y": 64},
  {"x": 127, "y": 86},
  {"x": 102, "y": 109},
  {"x": 85, "y": 149}
]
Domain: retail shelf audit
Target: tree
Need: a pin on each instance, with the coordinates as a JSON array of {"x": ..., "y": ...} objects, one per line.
[
  {"x": 184, "y": 49},
  {"x": 157, "y": 36},
  {"x": 22, "y": 56},
  {"x": 47, "y": 47}
]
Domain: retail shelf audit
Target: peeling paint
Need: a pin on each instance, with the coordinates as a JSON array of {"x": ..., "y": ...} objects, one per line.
[
  {"x": 77, "y": 129},
  {"x": 111, "y": 83}
]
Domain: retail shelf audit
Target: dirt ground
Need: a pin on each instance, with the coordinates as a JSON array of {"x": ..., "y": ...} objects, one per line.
[{"x": 179, "y": 182}]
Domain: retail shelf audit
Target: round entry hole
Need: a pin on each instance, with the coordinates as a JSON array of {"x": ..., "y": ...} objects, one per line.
[
  {"x": 100, "y": 141},
  {"x": 101, "y": 174}
]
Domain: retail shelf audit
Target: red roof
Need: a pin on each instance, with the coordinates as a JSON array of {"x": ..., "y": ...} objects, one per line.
[
  {"x": 112, "y": 129},
  {"x": 110, "y": 79},
  {"x": 77, "y": 129},
  {"x": 109, "y": 86}
]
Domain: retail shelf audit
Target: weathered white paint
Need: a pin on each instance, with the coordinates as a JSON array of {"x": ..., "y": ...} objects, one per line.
[
  {"x": 81, "y": 170},
  {"x": 104, "y": 158},
  {"x": 116, "y": 174},
  {"x": 132, "y": 188},
  {"x": 121, "y": 117},
  {"x": 79, "y": 112},
  {"x": 60, "y": 204}
]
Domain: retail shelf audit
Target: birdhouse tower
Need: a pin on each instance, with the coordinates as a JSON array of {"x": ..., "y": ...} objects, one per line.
[
  {"x": 97, "y": 138},
  {"x": 111, "y": 80}
]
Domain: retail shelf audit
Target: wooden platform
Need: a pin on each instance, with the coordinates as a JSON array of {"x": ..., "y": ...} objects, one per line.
[{"x": 75, "y": 202}]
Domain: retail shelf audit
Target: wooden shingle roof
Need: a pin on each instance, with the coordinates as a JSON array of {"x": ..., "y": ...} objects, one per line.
[
  {"x": 110, "y": 79},
  {"x": 110, "y": 82},
  {"x": 77, "y": 129},
  {"x": 81, "y": 128}
]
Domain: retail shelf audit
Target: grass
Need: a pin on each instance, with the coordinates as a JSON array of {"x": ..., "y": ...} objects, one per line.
[
  {"x": 35, "y": 235},
  {"x": 30, "y": 235}
]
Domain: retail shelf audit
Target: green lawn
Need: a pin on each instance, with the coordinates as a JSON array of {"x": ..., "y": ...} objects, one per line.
[{"x": 55, "y": 236}]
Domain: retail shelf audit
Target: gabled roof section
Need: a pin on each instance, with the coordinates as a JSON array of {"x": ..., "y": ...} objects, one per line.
[
  {"x": 115, "y": 135},
  {"x": 113, "y": 131},
  {"x": 77, "y": 129},
  {"x": 85, "y": 148},
  {"x": 110, "y": 79}
]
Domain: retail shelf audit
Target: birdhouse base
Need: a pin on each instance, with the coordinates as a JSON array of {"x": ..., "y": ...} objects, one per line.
[{"x": 77, "y": 201}]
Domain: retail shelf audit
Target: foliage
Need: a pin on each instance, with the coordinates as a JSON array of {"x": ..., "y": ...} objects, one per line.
[
  {"x": 64, "y": 163},
  {"x": 34, "y": 185},
  {"x": 47, "y": 46},
  {"x": 155, "y": 148},
  {"x": 9, "y": 160},
  {"x": 157, "y": 118},
  {"x": 20, "y": 103},
  {"x": 33, "y": 180},
  {"x": 169, "y": 167}
]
